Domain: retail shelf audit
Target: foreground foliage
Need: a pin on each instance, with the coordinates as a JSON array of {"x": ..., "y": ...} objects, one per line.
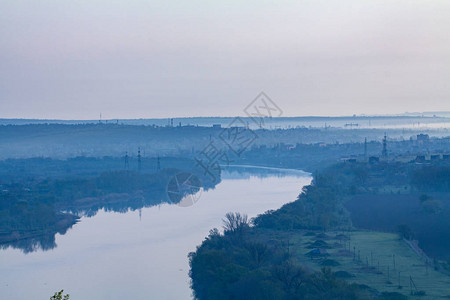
[
  {"x": 240, "y": 265},
  {"x": 59, "y": 296}
]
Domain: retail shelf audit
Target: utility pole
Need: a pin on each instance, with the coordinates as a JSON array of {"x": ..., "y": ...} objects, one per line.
[
  {"x": 158, "y": 165},
  {"x": 127, "y": 165},
  {"x": 384, "y": 153},
  {"x": 139, "y": 159},
  {"x": 411, "y": 285},
  {"x": 365, "y": 148}
]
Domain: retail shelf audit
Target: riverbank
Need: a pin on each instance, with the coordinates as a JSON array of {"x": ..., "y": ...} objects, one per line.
[
  {"x": 134, "y": 253},
  {"x": 39, "y": 236},
  {"x": 310, "y": 243}
]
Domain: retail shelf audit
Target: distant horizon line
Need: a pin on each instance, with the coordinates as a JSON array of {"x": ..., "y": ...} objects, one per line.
[{"x": 427, "y": 114}]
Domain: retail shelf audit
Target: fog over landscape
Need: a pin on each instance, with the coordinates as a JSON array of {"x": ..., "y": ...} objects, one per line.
[{"x": 238, "y": 150}]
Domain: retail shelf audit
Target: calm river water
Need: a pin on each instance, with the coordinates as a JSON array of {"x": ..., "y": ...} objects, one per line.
[{"x": 142, "y": 255}]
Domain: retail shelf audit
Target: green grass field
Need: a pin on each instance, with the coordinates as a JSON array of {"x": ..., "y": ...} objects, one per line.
[{"x": 370, "y": 256}]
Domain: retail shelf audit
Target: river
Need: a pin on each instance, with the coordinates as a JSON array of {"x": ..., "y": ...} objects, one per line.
[{"x": 142, "y": 254}]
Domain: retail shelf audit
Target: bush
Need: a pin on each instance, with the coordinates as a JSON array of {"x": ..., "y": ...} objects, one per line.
[{"x": 59, "y": 296}]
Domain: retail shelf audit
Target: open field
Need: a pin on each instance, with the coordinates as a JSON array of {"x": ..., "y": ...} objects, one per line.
[
  {"x": 379, "y": 260},
  {"x": 384, "y": 212}
]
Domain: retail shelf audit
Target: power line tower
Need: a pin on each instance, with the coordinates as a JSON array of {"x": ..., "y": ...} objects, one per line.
[
  {"x": 139, "y": 159},
  {"x": 412, "y": 286},
  {"x": 127, "y": 164},
  {"x": 158, "y": 165},
  {"x": 365, "y": 148},
  {"x": 384, "y": 153}
]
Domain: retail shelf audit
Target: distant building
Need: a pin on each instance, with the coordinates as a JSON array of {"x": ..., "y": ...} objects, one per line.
[
  {"x": 217, "y": 126},
  {"x": 423, "y": 137},
  {"x": 446, "y": 157}
]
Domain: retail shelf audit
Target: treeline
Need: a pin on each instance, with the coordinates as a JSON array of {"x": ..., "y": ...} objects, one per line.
[
  {"x": 317, "y": 207},
  {"x": 432, "y": 179},
  {"x": 30, "y": 225},
  {"x": 64, "y": 140},
  {"x": 243, "y": 264},
  {"x": 34, "y": 207},
  {"x": 63, "y": 183},
  {"x": 40, "y": 168},
  {"x": 65, "y": 193},
  {"x": 321, "y": 204}
]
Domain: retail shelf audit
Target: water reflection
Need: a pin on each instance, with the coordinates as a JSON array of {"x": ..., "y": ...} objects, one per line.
[
  {"x": 43, "y": 242},
  {"x": 171, "y": 188},
  {"x": 31, "y": 217},
  {"x": 142, "y": 254},
  {"x": 184, "y": 189},
  {"x": 247, "y": 171}
]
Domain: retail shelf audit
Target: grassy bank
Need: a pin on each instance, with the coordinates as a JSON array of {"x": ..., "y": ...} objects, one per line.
[{"x": 376, "y": 259}]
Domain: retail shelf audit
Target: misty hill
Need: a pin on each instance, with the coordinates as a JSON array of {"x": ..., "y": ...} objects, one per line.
[
  {"x": 407, "y": 120},
  {"x": 64, "y": 140}
]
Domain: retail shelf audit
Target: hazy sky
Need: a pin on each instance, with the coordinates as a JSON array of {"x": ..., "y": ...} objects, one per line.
[{"x": 131, "y": 59}]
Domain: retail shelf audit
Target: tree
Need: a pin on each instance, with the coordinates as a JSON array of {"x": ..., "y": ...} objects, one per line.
[
  {"x": 405, "y": 232},
  {"x": 59, "y": 296},
  {"x": 291, "y": 275},
  {"x": 235, "y": 222},
  {"x": 258, "y": 252}
]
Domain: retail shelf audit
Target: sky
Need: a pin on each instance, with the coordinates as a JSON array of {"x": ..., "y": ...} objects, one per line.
[{"x": 156, "y": 59}]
